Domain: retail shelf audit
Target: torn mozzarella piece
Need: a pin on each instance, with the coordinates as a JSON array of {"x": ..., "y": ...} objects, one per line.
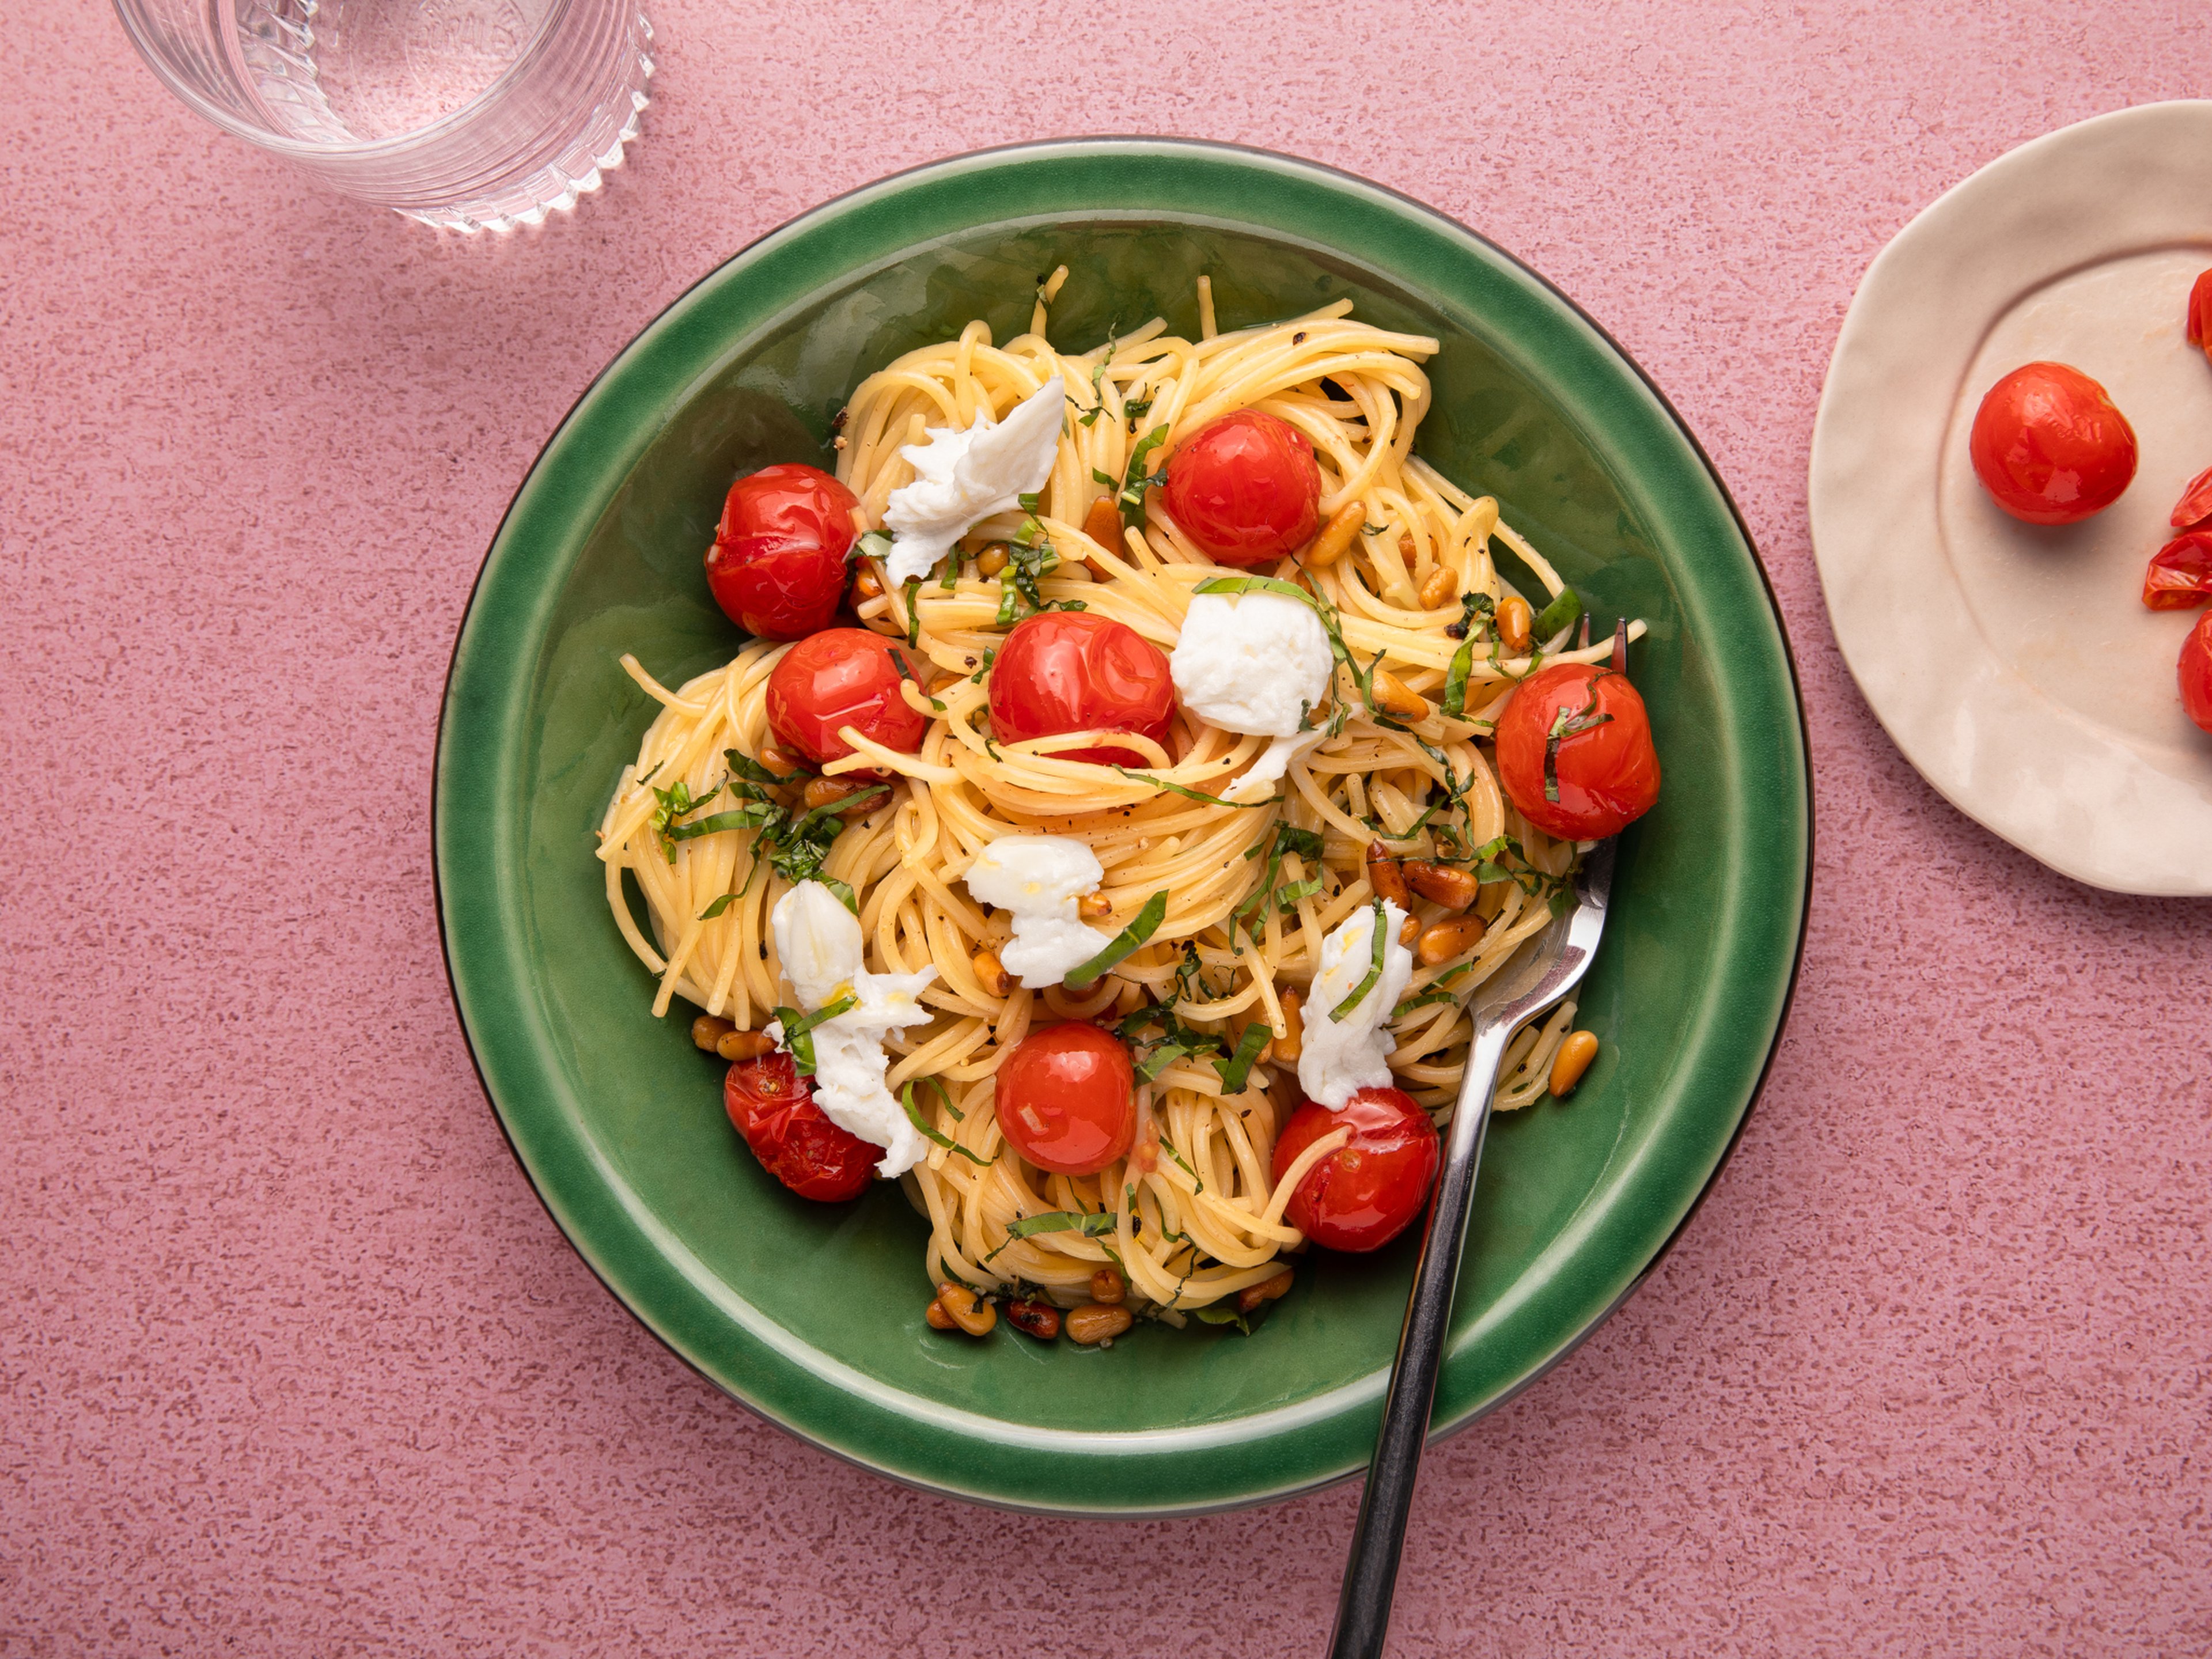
[
  {"x": 1257, "y": 664},
  {"x": 1038, "y": 879},
  {"x": 1342, "y": 1057},
  {"x": 818, "y": 941},
  {"x": 963, "y": 475}
]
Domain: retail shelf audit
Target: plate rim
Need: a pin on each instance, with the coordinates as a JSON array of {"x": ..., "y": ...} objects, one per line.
[
  {"x": 1861, "y": 470},
  {"x": 1330, "y": 178}
]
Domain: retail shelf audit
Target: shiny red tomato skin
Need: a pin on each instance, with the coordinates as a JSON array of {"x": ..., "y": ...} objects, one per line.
[
  {"x": 1608, "y": 775},
  {"x": 772, "y": 1108},
  {"x": 842, "y": 677},
  {"x": 2194, "y": 671},
  {"x": 2200, "y": 312},
  {"x": 1245, "y": 489},
  {"x": 2180, "y": 574},
  {"x": 2195, "y": 506},
  {"x": 1368, "y": 1191},
  {"x": 2049, "y": 445},
  {"x": 1067, "y": 671},
  {"x": 777, "y": 566},
  {"x": 1076, "y": 1082}
]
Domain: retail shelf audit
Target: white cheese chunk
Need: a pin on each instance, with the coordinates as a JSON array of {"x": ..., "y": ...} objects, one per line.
[
  {"x": 1038, "y": 879},
  {"x": 1341, "y": 1056},
  {"x": 818, "y": 941},
  {"x": 1257, "y": 664},
  {"x": 961, "y": 476}
]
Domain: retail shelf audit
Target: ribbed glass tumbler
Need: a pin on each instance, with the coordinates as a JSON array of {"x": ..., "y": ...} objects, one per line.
[{"x": 469, "y": 114}]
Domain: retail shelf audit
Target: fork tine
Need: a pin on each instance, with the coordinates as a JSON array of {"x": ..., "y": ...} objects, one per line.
[{"x": 1620, "y": 645}]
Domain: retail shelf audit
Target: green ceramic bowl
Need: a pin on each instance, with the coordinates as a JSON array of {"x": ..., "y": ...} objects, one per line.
[{"x": 811, "y": 1315}]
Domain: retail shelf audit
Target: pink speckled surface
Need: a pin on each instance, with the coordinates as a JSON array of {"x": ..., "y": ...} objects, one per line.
[{"x": 291, "y": 1361}]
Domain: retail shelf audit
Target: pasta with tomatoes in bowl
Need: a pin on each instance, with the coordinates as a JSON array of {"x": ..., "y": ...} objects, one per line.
[{"x": 1138, "y": 763}]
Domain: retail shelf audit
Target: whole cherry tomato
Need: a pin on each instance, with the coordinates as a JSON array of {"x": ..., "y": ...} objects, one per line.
[
  {"x": 1068, "y": 670},
  {"x": 838, "y": 677},
  {"x": 2049, "y": 447},
  {"x": 1245, "y": 489},
  {"x": 1604, "y": 772},
  {"x": 1364, "y": 1193},
  {"x": 2195, "y": 673},
  {"x": 772, "y": 1108},
  {"x": 777, "y": 566},
  {"x": 1067, "y": 1098},
  {"x": 2180, "y": 574}
]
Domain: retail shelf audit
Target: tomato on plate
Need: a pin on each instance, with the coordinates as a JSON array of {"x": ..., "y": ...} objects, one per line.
[
  {"x": 838, "y": 677},
  {"x": 2195, "y": 506},
  {"x": 2049, "y": 445},
  {"x": 2180, "y": 573},
  {"x": 1068, "y": 670},
  {"x": 1574, "y": 751},
  {"x": 777, "y": 566},
  {"x": 1067, "y": 1098},
  {"x": 1368, "y": 1191},
  {"x": 2200, "y": 312},
  {"x": 1245, "y": 489},
  {"x": 772, "y": 1108},
  {"x": 2195, "y": 673}
]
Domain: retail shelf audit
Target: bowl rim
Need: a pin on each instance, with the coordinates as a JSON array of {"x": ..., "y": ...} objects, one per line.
[{"x": 1330, "y": 178}]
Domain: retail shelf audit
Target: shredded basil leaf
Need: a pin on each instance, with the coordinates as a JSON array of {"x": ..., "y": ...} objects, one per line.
[
  {"x": 1565, "y": 611},
  {"x": 1169, "y": 1148},
  {"x": 1374, "y": 969},
  {"x": 845, "y": 894},
  {"x": 989, "y": 657},
  {"x": 1133, "y": 481},
  {"x": 1224, "y": 1312},
  {"x": 798, "y": 1029},
  {"x": 913, "y": 1116},
  {"x": 1238, "y": 1067},
  {"x": 1084, "y": 1224},
  {"x": 1148, "y": 923},
  {"x": 1194, "y": 794},
  {"x": 1564, "y": 726},
  {"x": 1426, "y": 999}
]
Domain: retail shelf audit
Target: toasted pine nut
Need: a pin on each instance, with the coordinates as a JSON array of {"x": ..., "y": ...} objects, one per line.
[
  {"x": 1441, "y": 588},
  {"x": 707, "y": 1031},
  {"x": 1384, "y": 875},
  {"x": 939, "y": 1319},
  {"x": 1266, "y": 1290},
  {"x": 1336, "y": 535},
  {"x": 1102, "y": 523},
  {"x": 1572, "y": 1061},
  {"x": 828, "y": 792},
  {"x": 1091, "y": 1323},
  {"x": 866, "y": 585},
  {"x": 737, "y": 1046},
  {"x": 1406, "y": 551},
  {"x": 1447, "y": 940},
  {"x": 1109, "y": 1287},
  {"x": 991, "y": 560},
  {"x": 1094, "y": 907},
  {"x": 1395, "y": 698},
  {"x": 1408, "y": 931},
  {"x": 961, "y": 1306},
  {"x": 1292, "y": 1041},
  {"x": 1033, "y": 1317},
  {"x": 776, "y": 761},
  {"x": 1452, "y": 889},
  {"x": 1515, "y": 619},
  {"x": 996, "y": 980}
]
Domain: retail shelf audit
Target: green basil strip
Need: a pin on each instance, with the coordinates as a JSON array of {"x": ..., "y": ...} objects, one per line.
[
  {"x": 1238, "y": 1067},
  {"x": 845, "y": 895},
  {"x": 1131, "y": 497},
  {"x": 745, "y": 818},
  {"x": 1224, "y": 1312},
  {"x": 1088, "y": 1223},
  {"x": 1288, "y": 900},
  {"x": 1168, "y": 1147},
  {"x": 1565, "y": 611},
  {"x": 1165, "y": 1055},
  {"x": 746, "y": 767},
  {"x": 913, "y": 1116},
  {"x": 989, "y": 657},
  {"x": 1374, "y": 970},
  {"x": 1195, "y": 794},
  {"x": 797, "y": 1041},
  {"x": 1463, "y": 662},
  {"x": 1128, "y": 941},
  {"x": 718, "y": 907},
  {"x": 1306, "y": 843},
  {"x": 913, "y": 596},
  {"x": 1010, "y": 599},
  {"x": 812, "y": 821},
  {"x": 1426, "y": 999}
]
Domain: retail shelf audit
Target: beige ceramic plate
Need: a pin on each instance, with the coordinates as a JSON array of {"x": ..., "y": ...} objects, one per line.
[{"x": 2015, "y": 665}]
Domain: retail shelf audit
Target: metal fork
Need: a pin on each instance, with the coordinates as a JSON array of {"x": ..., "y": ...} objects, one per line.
[{"x": 1544, "y": 970}]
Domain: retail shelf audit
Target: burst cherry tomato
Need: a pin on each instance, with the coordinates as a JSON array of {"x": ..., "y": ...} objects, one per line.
[
  {"x": 842, "y": 677},
  {"x": 777, "y": 566},
  {"x": 1067, "y": 1098},
  {"x": 1245, "y": 489},
  {"x": 2180, "y": 574},
  {"x": 772, "y": 1108},
  {"x": 2195, "y": 506},
  {"x": 2195, "y": 673},
  {"x": 1604, "y": 774},
  {"x": 2200, "y": 312},
  {"x": 1364, "y": 1193},
  {"x": 1067, "y": 671},
  {"x": 2049, "y": 447}
]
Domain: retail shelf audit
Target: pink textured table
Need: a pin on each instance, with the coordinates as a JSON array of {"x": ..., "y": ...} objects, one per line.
[{"x": 291, "y": 1361}]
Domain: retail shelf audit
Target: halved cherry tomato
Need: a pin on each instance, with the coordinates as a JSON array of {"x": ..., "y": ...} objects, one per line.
[
  {"x": 2200, "y": 312},
  {"x": 2196, "y": 503},
  {"x": 1067, "y": 1098},
  {"x": 772, "y": 1108},
  {"x": 1067, "y": 671},
  {"x": 1368, "y": 1191},
  {"x": 777, "y": 566},
  {"x": 1603, "y": 773},
  {"x": 2180, "y": 574},
  {"x": 1245, "y": 489},
  {"x": 843, "y": 676},
  {"x": 2195, "y": 673},
  {"x": 2049, "y": 445}
]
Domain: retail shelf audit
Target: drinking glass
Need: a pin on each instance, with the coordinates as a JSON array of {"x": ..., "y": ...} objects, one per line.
[{"x": 469, "y": 114}]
